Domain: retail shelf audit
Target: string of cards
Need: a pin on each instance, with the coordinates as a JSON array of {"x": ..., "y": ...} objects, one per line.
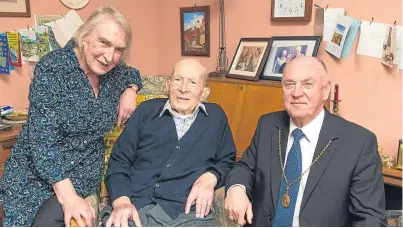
[
  {"x": 375, "y": 39},
  {"x": 28, "y": 45}
]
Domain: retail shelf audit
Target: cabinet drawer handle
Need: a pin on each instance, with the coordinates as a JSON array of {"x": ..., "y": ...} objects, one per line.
[
  {"x": 241, "y": 87},
  {"x": 8, "y": 146}
]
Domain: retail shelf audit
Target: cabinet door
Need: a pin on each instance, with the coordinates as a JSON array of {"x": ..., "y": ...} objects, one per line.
[
  {"x": 230, "y": 97},
  {"x": 258, "y": 101}
]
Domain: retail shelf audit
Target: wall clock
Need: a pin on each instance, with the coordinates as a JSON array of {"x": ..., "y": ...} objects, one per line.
[
  {"x": 75, "y": 4},
  {"x": 291, "y": 10}
]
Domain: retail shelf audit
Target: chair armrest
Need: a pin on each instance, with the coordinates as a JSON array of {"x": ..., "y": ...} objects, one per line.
[{"x": 221, "y": 217}]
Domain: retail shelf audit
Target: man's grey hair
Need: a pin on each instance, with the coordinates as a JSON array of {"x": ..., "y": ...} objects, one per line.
[{"x": 99, "y": 16}]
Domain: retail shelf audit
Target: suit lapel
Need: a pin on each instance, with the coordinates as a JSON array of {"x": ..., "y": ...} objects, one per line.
[
  {"x": 328, "y": 132},
  {"x": 276, "y": 172}
]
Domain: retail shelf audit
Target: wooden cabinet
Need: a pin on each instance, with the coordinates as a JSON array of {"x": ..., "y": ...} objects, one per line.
[
  {"x": 7, "y": 141},
  {"x": 392, "y": 176},
  {"x": 244, "y": 102}
]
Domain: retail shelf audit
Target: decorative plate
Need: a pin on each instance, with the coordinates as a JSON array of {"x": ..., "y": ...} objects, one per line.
[{"x": 75, "y": 4}]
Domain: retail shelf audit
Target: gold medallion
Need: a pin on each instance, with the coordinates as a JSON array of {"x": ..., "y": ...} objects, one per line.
[{"x": 285, "y": 200}]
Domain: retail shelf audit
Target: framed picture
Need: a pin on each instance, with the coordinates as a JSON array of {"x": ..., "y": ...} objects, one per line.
[
  {"x": 283, "y": 49},
  {"x": 295, "y": 10},
  {"x": 195, "y": 30},
  {"x": 249, "y": 58},
  {"x": 15, "y": 8},
  {"x": 399, "y": 155}
]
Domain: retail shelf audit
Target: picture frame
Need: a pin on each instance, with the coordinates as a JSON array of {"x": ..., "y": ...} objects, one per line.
[
  {"x": 195, "y": 31},
  {"x": 15, "y": 8},
  {"x": 249, "y": 58},
  {"x": 296, "y": 10},
  {"x": 399, "y": 155},
  {"x": 285, "y": 48}
]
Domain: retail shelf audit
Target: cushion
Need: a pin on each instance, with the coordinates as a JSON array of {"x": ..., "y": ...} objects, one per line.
[{"x": 154, "y": 85}]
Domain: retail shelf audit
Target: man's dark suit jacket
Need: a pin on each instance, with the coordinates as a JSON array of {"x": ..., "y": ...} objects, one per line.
[{"x": 345, "y": 186}]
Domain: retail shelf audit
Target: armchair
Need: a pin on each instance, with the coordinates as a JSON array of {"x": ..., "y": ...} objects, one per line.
[{"x": 153, "y": 87}]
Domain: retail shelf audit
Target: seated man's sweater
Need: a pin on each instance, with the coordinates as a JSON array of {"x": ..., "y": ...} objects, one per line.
[{"x": 150, "y": 165}]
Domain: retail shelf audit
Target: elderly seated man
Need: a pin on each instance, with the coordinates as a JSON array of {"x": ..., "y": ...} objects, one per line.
[{"x": 171, "y": 156}]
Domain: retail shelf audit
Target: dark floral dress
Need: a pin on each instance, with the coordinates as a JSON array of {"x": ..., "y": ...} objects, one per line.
[{"x": 63, "y": 137}]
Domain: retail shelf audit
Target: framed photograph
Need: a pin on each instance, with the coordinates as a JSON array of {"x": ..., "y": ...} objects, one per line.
[
  {"x": 249, "y": 58},
  {"x": 15, "y": 8},
  {"x": 295, "y": 10},
  {"x": 283, "y": 49},
  {"x": 399, "y": 155},
  {"x": 195, "y": 30}
]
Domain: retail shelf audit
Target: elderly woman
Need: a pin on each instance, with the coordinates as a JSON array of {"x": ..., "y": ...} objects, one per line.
[{"x": 74, "y": 99}]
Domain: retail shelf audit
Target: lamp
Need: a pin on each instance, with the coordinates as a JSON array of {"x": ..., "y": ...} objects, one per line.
[{"x": 222, "y": 59}]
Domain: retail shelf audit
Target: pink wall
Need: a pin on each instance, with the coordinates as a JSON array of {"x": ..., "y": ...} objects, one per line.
[
  {"x": 143, "y": 19},
  {"x": 371, "y": 94}
]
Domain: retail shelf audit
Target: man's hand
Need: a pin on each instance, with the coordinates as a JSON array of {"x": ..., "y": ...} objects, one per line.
[
  {"x": 123, "y": 210},
  {"x": 126, "y": 107},
  {"x": 237, "y": 205},
  {"x": 202, "y": 194}
]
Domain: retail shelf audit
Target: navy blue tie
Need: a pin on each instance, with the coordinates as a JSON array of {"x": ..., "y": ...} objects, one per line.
[{"x": 293, "y": 169}]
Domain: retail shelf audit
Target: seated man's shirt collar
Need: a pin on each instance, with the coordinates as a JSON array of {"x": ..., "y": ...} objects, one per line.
[{"x": 168, "y": 107}]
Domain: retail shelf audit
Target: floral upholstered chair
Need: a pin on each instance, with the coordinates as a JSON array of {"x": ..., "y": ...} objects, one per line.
[{"x": 153, "y": 87}]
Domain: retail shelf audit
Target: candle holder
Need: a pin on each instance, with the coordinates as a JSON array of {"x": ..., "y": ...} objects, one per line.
[{"x": 336, "y": 107}]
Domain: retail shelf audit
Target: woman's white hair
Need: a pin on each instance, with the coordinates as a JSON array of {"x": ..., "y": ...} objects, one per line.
[{"x": 99, "y": 16}]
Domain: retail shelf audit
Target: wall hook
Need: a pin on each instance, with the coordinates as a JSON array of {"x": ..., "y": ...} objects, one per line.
[{"x": 372, "y": 20}]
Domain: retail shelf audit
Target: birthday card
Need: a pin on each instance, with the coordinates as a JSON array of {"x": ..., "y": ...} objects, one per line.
[
  {"x": 42, "y": 36},
  {"x": 14, "y": 47},
  {"x": 4, "y": 62},
  {"x": 29, "y": 48}
]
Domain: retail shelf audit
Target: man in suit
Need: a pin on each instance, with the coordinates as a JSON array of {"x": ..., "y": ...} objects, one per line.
[
  {"x": 171, "y": 156},
  {"x": 332, "y": 173}
]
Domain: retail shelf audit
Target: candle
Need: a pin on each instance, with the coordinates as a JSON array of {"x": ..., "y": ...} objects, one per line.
[{"x": 336, "y": 92}]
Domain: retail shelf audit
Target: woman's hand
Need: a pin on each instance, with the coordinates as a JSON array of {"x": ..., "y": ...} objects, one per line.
[
  {"x": 126, "y": 106},
  {"x": 73, "y": 205},
  {"x": 78, "y": 209}
]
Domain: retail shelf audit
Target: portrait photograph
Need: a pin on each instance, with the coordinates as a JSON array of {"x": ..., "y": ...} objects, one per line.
[
  {"x": 15, "y": 8},
  {"x": 249, "y": 58},
  {"x": 195, "y": 31},
  {"x": 284, "y": 49}
]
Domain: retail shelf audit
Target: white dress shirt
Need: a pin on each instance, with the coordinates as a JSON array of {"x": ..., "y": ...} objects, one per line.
[
  {"x": 183, "y": 122},
  {"x": 308, "y": 145}
]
